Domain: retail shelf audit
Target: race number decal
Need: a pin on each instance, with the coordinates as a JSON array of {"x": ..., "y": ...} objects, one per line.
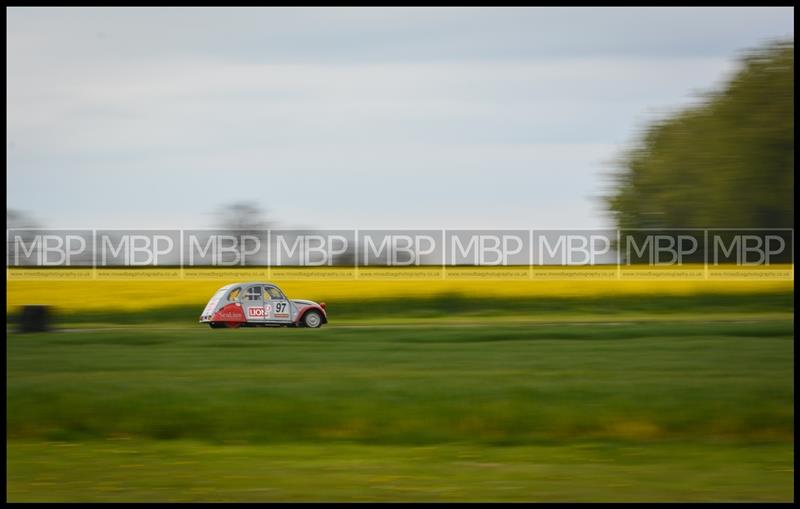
[{"x": 281, "y": 310}]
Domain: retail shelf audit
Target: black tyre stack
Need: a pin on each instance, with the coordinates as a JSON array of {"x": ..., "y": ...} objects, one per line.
[{"x": 35, "y": 319}]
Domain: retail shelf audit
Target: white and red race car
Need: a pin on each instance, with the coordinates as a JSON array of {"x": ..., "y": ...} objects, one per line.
[{"x": 260, "y": 304}]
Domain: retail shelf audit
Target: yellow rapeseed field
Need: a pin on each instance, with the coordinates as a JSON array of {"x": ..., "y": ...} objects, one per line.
[{"x": 146, "y": 288}]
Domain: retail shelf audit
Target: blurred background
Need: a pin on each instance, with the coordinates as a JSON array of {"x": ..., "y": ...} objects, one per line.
[
  {"x": 400, "y": 118},
  {"x": 478, "y": 386}
]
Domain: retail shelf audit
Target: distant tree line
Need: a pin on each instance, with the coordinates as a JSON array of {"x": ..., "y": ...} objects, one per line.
[{"x": 727, "y": 162}]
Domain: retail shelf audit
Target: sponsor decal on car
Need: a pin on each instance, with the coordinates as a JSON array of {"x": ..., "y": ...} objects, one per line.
[{"x": 256, "y": 312}]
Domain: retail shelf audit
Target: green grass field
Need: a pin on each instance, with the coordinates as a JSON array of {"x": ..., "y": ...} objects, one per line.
[
  {"x": 621, "y": 407},
  {"x": 146, "y": 470}
]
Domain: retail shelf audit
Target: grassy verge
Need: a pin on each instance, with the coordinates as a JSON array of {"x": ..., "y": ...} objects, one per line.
[
  {"x": 586, "y": 471},
  {"x": 497, "y": 385},
  {"x": 650, "y": 410}
]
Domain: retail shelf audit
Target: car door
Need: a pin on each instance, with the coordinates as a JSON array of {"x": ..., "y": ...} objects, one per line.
[
  {"x": 253, "y": 304},
  {"x": 276, "y": 304}
]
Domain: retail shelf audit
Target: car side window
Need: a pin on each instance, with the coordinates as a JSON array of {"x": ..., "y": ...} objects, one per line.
[
  {"x": 234, "y": 294},
  {"x": 253, "y": 293},
  {"x": 273, "y": 292}
]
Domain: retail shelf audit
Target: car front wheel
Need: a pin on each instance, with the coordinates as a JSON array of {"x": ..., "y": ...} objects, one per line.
[{"x": 312, "y": 319}]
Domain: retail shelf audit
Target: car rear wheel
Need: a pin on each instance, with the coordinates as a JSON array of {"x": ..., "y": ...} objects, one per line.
[{"x": 312, "y": 319}]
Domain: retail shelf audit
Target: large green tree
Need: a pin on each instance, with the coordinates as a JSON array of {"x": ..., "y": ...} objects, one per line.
[{"x": 727, "y": 162}]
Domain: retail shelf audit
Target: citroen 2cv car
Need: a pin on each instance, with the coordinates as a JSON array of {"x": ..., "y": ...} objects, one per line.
[{"x": 260, "y": 304}]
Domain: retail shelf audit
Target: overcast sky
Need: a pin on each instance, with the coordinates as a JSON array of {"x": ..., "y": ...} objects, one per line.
[{"x": 349, "y": 118}]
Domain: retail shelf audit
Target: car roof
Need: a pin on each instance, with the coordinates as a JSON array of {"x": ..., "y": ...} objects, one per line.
[{"x": 248, "y": 283}]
